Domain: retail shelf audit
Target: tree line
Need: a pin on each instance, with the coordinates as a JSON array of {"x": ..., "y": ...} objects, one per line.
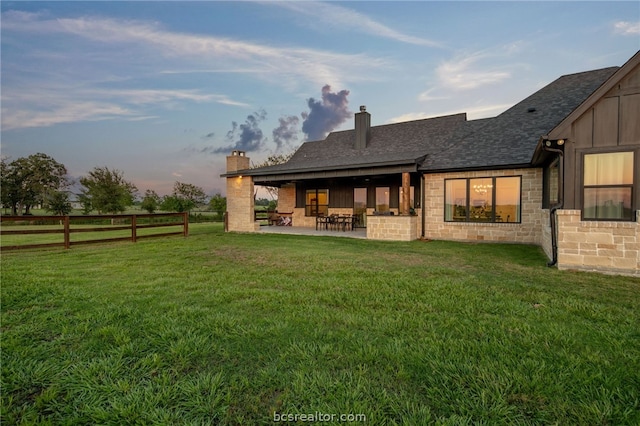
[{"x": 39, "y": 180}]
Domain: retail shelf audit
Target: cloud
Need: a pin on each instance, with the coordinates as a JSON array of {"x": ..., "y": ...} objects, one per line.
[
  {"x": 468, "y": 72},
  {"x": 205, "y": 51},
  {"x": 483, "y": 111},
  {"x": 209, "y": 135},
  {"x": 350, "y": 20},
  {"x": 25, "y": 106},
  {"x": 326, "y": 114},
  {"x": 246, "y": 137},
  {"x": 626, "y": 28},
  {"x": 287, "y": 132}
]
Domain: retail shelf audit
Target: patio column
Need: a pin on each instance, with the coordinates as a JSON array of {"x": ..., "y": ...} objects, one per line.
[{"x": 406, "y": 194}]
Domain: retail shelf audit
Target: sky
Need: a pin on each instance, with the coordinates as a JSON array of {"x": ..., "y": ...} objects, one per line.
[{"x": 164, "y": 91}]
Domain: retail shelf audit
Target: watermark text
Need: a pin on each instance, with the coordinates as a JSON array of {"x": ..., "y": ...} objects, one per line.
[{"x": 318, "y": 417}]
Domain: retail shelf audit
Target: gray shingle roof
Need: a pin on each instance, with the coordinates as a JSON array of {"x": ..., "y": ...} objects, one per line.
[
  {"x": 451, "y": 142},
  {"x": 510, "y": 138}
]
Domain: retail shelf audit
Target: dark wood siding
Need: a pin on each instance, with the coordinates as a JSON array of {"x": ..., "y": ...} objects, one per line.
[{"x": 612, "y": 124}]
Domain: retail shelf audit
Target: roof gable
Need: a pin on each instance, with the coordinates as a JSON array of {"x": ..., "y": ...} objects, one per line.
[{"x": 563, "y": 128}]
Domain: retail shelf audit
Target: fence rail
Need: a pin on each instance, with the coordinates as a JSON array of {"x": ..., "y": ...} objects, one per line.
[{"x": 117, "y": 223}]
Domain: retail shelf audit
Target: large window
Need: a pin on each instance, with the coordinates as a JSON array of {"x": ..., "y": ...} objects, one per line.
[
  {"x": 382, "y": 199},
  {"x": 317, "y": 202},
  {"x": 494, "y": 199},
  {"x": 608, "y": 186}
]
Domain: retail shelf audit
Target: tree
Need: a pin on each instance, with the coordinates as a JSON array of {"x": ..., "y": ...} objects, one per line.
[
  {"x": 273, "y": 160},
  {"x": 218, "y": 204},
  {"x": 171, "y": 203},
  {"x": 190, "y": 192},
  {"x": 58, "y": 203},
  {"x": 151, "y": 201},
  {"x": 27, "y": 181},
  {"x": 184, "y": 198},
  {"x": 107, "y": 191}
]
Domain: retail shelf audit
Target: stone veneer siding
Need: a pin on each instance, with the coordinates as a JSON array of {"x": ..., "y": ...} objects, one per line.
[
  {"x": 528, "y": 231},
  {"x": 602, "y": 246},
  {"x": 393, "y": 228},
  {"x": 240, "y": 205}
]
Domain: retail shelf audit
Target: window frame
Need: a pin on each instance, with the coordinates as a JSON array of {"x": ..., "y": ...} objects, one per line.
[
  {"x": 631, "y": 186},
  {"x": 309, "y": 208},
  {"x": 493, "y": 199}
]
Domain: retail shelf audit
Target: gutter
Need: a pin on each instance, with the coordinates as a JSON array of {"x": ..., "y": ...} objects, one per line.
[{"x": 546, "y": 146}]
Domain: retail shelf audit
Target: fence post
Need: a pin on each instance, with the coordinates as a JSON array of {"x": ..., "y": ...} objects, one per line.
[
  {"x": 67, "y": 232},
  {"x": 133, "y": 229},
  {"x": 185, "y": 220}
]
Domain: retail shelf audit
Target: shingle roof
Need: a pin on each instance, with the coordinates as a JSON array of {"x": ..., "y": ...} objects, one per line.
[
  {"x": 400, "y": 143},
  {"x": 510, "y": 138},
  {"x": 451, "y": 142}
]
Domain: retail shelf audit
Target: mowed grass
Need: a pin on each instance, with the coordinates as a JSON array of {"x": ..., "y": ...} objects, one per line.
[{"x": 235, "y": 329}]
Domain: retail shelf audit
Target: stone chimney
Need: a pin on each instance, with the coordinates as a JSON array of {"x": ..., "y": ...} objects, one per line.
[
  {"x": 238, "y": 160},
  {"x": 363, "y": 128},
  {"x": 240, "y": 203}
]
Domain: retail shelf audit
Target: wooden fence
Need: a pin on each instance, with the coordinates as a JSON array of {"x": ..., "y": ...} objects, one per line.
[{"x": 117, "y": 222}]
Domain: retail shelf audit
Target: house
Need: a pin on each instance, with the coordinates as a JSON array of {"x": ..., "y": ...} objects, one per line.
[{"x": 560, "y": 169}]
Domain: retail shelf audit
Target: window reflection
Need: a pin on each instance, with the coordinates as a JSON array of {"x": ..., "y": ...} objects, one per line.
[
  {"x": 608, "y": 185},
  {"x": 483, "y": 200}
]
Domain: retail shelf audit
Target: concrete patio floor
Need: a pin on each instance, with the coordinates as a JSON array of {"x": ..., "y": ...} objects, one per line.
[{"x": 299, "y": 230}]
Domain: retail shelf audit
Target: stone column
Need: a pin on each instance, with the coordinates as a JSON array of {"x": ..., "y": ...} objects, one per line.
[
  {"x": 406, "y": 194},
  {"x": 240, "y": 201}
]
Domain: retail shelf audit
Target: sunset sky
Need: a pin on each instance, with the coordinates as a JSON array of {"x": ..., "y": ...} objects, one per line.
[{"x": 163, "y": 91}]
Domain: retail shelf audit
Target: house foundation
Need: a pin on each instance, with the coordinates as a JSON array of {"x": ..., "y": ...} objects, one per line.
[{"x": 602, "y": 246}]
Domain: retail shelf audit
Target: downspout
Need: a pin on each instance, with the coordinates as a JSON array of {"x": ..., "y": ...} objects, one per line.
[
  {"x": 560, "y": 204},
  {"x": 422, "y": 207}
]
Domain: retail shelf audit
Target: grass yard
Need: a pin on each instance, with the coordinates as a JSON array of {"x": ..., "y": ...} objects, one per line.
[{"x": 240, "y": 329}]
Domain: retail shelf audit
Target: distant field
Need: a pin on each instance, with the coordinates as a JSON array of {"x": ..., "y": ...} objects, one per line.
[{"x": 232, "y": 329}]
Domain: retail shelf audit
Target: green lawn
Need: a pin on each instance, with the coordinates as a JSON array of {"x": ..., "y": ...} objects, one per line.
[{"x": 231, "y": 328}]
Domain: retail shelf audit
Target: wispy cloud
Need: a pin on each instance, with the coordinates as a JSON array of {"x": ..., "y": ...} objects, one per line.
[
  {"x": 350, "y": 20},
  {"x": 25, "y": 106},
  {"x": 229, "y": 54},
  {"x": 469, "y": 72},
  {"x": 474, "y": 113},
  {"x": 626, "y": 28},
  {"x": 111, "y": 53}
]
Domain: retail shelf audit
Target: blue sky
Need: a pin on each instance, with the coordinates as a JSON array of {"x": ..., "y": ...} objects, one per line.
[{"x": 164, "y": 90}]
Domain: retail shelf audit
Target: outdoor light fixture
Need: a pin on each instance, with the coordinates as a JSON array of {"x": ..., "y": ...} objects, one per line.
[
  {"x": 548, "y": 143},
  {"x": 560, "y": 142}
]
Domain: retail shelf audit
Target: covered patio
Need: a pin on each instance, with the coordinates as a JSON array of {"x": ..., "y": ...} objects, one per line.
[{"x": 360, "y": 233}]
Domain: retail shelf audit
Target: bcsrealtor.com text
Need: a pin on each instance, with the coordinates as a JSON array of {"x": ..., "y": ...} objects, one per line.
[{"x": 318, "y": 417}]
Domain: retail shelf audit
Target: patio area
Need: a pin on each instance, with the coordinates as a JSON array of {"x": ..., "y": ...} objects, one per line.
[{"x": 300, "y": 230}]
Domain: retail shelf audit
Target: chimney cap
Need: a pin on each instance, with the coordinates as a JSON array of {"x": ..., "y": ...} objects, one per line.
[
  {"x": 363, "y": 108},
  {"x": 238, "y": 153}
]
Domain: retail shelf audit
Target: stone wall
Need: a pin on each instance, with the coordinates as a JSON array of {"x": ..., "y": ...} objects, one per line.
[
  {"x": 528, "y": 231},
  {"x": 603, "y": 246},
  {"x": 394, "y": 228},
  {"x": 240, "y": 205},
  {"x": 287, "y": 198}
]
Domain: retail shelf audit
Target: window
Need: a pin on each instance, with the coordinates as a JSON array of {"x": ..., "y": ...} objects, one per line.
[
  {"x": 317, "y": 202},
  {"x": 551, "y": 178},
  {"x": 456, "y": 200},
  {"x": 382, "y": 199},
  {"x": 608, "y": 186},
  {"x": 494, "y": 199}
]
